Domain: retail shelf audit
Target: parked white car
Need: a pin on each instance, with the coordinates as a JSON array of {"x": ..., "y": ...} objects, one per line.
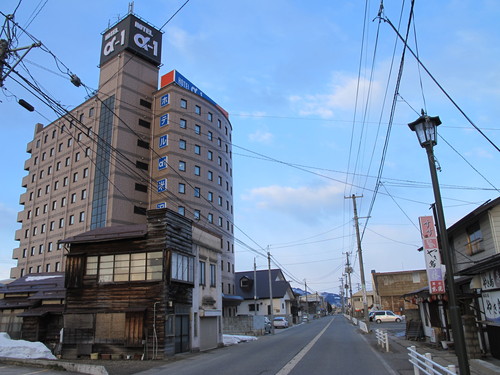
[
  {"x": 280, "y": 322},
  {"x": 385, "y": 316}
]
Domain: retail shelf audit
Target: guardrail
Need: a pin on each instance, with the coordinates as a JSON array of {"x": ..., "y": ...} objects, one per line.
[
  {"x": 382, "y": 338},
  {"x": 424, "y": 363}
]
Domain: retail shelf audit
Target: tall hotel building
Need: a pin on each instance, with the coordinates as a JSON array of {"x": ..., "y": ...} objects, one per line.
[{"x": 128, "y": 148}]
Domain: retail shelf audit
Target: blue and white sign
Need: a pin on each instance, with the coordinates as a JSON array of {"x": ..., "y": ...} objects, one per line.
[
  {"x": 165, "y": 100},
  {"x": 162, "y": 163},
  {"x": 161, "y": 205},
  {"x": 164, "y": 120},
  {"x": 163, "y": 141},
  {"x": 162, "y": 185},
  {"x": 186, "y": 84}
]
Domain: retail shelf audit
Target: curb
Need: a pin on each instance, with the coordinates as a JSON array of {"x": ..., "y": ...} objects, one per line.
[{"x": 57, "y": 365}]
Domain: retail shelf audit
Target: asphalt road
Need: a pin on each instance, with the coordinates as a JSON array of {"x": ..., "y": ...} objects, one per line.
[{"x": 329, "y": 345}]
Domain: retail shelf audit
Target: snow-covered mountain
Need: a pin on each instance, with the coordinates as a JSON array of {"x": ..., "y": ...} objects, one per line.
[{"x": 332, "y": 298}]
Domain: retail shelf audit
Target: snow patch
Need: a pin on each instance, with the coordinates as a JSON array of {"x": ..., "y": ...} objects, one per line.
[
  {"x": 236, "y": 339},
  {"x": 37, "y": 278},
  {"x": 23, "y": 349}
]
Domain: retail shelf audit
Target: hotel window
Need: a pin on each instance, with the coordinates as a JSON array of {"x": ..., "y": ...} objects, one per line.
[
  {"x": 61, "y": 223},
  {"x": 29, "y": 215},
  {"x": 40, "y": 249},
  {"x": 210, "y": 155},
  {"x": 210, "y": 176},
  {"x": 210, "y": 218},
  {"x": 182, "y": 123},
  {"x": 210, "y": 196},
  {"x": 63, "y": 201},
  {"x": 77, "y": 156},
  {"x": 182, "y": 188},
  {"x": 49, "y": 170},
  {"x": 70, "y": 142},
  {"x": 219, "y": 161},
  {"x": 197, "y": 149},
  {"x": 219, "y": 180},
  {"x": 52, "y": 151},
  {"x": 58, "y": 266},
  {"x": 197, "y": 192},
  {"x": 39, "y": 193},
  {"x": 210, "y": 117},
  {"x": 67, "y": 162},
  {"x": 210, "y": 136},
  {"x": 35, "y": 161},
  {"x": 59, "y": 148},
  {"x": 182, "y": 144},
  {"x": 72, "y": 220},
  {"x": 47, "y": 267},
  {"x": 82, "y": 216},
  {"x": 182, "y": 166},
  {"x": 87, "y": 152},
  {"x": 58, "y": 166},
  {"x": 42, "y": 229},
  {"x": 79, "y": 137},
  {"x": 49, "y": 247},
  {"x": 52, "y": 225},
  {"x": 85, "y": 172},
  {"x": 220, "y": 221},
  {"x": 73, "y": 198},
  {"x": 25, "y": 253},
  {"x": 181, "y": 210},
  {"x": 54, "y": 205},
  {"x": 219, "y": 200},
  {"x": 197, "y": 129},
  {"x": 84, "y": 194},
  {"x": 91, "y": 112},
  {"x": 219, "y": 124},
  {"x": 196, "y": 214},
  {"x": 197, "y": 109},
  {"x": 38, "y": 269},
  {"x": 65, "y": 181},
  {"x": 219, "y": 142},
  {"x": 43, "y": 156},
  {"x": 196, "y": 170},
  {"x": 75, "y": 176},
  {"x": 184, "y": 103},
  {"x": 37, "y": 211}
]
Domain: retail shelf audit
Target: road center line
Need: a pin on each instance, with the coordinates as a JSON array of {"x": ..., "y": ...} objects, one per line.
[{"x": 293, "y": 362}]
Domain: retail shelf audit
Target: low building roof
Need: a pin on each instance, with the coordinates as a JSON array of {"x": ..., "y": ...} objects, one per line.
[{"x": 117, "y": 232}]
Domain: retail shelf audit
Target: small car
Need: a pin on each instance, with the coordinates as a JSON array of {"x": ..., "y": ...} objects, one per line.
[
  {"x": 385, "y": 316},
  {"x": 267, "y": 325},
  {"x": 280, "y": 322}
]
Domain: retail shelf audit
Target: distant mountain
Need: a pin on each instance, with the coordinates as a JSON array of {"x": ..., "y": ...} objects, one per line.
[{"x": 332, "y": 298}]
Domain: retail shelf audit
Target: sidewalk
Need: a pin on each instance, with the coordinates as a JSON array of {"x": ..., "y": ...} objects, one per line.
[{"x": 398, "y": 357}]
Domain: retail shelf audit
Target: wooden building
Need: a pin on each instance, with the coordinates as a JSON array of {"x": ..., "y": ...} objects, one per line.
[{"x": 129, "y": 288}]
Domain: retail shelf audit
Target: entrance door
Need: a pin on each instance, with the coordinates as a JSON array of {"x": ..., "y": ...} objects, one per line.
[{"x": 181, "y": 333}]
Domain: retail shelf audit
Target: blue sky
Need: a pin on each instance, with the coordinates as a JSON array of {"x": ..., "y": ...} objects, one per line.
[{"x": 310, "y": 106}]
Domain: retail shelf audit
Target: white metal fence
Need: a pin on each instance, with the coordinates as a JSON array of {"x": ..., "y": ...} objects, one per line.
[
  {"x": 423, "y": 363},
  {"x": 382, "y": 338}
]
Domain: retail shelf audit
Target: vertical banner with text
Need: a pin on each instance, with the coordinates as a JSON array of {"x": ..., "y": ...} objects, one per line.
[{"x": 432, "y": 255}]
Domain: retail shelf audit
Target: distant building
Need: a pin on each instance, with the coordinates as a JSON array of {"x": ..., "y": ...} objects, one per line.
[
  {"x": 130, "y": 147},
  {"x": 389, "y": 288},
  {"x": 357, "y": 301},
  {"x": 254, "y": 289}
]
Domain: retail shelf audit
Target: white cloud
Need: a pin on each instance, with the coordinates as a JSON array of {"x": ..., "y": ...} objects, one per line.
[
  {"x": 261, "y": 136},
  {"x": 342, "y": 97},
  {"x": 305, "y": 203}
]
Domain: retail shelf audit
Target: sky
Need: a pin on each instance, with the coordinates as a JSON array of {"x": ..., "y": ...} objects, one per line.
[{"x": 310, "y": 90}]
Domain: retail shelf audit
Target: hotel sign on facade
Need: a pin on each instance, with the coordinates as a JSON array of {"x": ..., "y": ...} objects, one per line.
[{"x": 432, "y": 255}]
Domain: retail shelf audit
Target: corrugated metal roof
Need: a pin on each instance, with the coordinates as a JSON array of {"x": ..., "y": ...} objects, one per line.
[{"x": 117, "y": 232}]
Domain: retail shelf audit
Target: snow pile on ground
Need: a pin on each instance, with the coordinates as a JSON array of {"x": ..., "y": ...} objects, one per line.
[
  {"x": 235, "y": 339},
  {"x": 23, "y": 349}
]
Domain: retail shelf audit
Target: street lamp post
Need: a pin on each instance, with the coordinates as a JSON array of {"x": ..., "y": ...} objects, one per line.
[{"x": 425, "y": 127}]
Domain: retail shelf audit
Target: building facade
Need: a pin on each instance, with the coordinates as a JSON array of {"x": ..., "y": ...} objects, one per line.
[{"x": 124, "y": 151}]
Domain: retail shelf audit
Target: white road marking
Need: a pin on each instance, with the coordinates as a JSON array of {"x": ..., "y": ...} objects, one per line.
[{"x": 293, "y": 362}]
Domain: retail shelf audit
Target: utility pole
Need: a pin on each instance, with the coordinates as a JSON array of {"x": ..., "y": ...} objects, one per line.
[
  {"x": 307, "y": 303},
  {"x": 5, "y": 50},
  {"x": 360, "y": 255},
  {"x": 348, "y": 270},
  {"x": 342, "y": 290},
  {"x": 254, "y": 287},
  {"x": 270, "y": 290}
]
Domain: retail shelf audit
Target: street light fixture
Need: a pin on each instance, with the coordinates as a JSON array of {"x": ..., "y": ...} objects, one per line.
[{"x": 425, "y": 127}]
